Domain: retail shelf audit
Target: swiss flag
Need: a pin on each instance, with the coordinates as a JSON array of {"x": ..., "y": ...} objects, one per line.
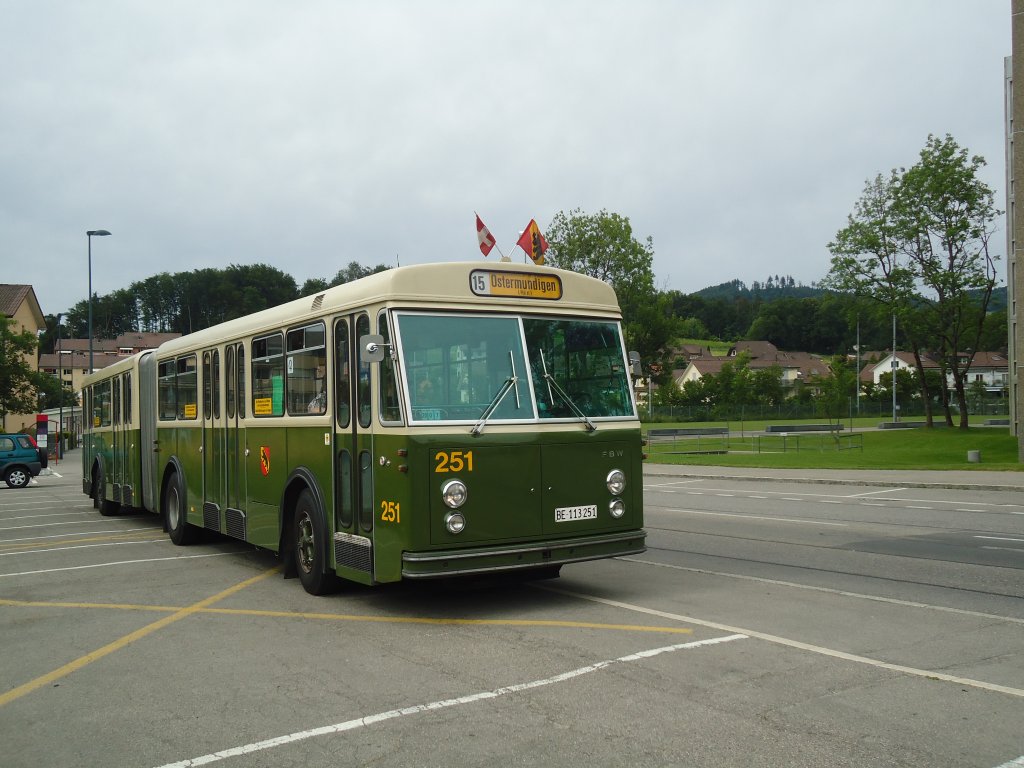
[{"x": 483, "y": 234}]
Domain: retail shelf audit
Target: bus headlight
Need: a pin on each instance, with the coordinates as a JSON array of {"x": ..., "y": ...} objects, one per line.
[
  {"x": 616, "y": 482},
  {"x": 617, "y": 507},
  {"x": 454, "y": 522},
  {"x": 454, "y": 494}
]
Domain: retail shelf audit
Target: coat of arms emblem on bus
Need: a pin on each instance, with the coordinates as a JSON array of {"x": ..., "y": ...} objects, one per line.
[{"x": 265, "y": 460}]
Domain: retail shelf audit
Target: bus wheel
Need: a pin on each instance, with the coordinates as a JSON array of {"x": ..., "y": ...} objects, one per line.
[
  {"x": 97, "y": 487},
  {"x": 309, "y": 542},
  {"x": 178, "y": 528},
  {"x": 541, "y": 573}
]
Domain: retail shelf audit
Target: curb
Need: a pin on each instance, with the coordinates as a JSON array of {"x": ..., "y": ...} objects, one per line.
[{"x": 874, "y": 482}]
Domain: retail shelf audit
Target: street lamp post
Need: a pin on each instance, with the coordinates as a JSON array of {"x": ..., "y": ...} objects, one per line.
[
  {"x": 895, "y": 365},
  {"x": 89, "y": 234},
  {"x": 60, "y": 396}
]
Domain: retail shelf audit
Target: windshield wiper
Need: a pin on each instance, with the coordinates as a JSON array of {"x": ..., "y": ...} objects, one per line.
[
  {"x": 554, "y": 386},
  {"x": 510, "y": 383}
]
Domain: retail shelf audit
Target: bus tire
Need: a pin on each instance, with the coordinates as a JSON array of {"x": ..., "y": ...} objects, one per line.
[
  {"x": 97, "y": 485},
  {"x": 309, "y": 546},
  {"x": 179, "y": 529},
  {"x": 541, "y": 573}
]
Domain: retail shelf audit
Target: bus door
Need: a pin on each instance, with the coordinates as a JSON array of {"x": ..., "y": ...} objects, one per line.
[
  {"x": 235, "y": 445},
  {"x": 214, "y": 447},
  {"x": 117, "y": 440},
  {"x": 129, "y": 446},
  {"x": 353, "y": 461}
]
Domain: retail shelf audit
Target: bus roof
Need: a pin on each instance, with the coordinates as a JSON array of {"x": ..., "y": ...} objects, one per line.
[{"x": 443, "y": 285}]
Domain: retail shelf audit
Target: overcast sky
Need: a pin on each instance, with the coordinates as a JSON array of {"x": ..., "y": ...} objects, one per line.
[{"x": 308, "y": 134}]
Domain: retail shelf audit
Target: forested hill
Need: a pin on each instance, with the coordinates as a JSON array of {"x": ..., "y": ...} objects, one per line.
[
  {"x": 775, "y": 287},
  {"x": 786, "y": 288}
]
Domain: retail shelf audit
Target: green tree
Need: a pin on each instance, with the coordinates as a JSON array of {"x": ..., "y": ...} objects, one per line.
[
  {"x": 995, "y": 332},
  {"x": 918, "y": 243},
  {"x": 836, "y": 390},
  {"x": 355, "y": 271},
  {"x": 947, "y": 216},
  {"x": 767, "y": 385},
  {"x": 602, "y": 245},
  {"x": 690, "y": 327},
  {"x": 18, "y": 378}
]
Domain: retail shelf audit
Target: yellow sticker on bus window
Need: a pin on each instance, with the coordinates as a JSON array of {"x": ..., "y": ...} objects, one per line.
[
  {"x": 190, "y": 410},
  {"x": 263, "y": 406}
]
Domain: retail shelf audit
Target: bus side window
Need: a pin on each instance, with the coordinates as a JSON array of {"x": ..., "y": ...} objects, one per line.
[
  {"x": 167, "y": 392},
  {"x": 241, "y": 381},
  {"x": 230, "y": 382},
  {"x": 268, "y": 375},
  {"x": 186, "y": 387},
  {"x": 342, "y": 382},
  {"x": 390, "y": 412},
  {"x": 127, "y": 402},
  {"x": 363, "y": 384}
]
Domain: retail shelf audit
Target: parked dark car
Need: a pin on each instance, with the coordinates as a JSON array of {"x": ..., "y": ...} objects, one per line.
[{"x": 20, "y": 459}]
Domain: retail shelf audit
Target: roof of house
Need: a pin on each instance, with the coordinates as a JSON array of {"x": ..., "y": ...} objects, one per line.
[
  {"x": 757, "y": 349},
  {"x": 13, "y": 296},
  {"x": 806, "y": 364},
  {"x": 980, "y": 359}
]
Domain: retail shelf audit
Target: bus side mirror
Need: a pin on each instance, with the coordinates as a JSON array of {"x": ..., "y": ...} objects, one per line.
[
  {"x": 634, "y": 365},
  {"x": 371, "y": 348}
]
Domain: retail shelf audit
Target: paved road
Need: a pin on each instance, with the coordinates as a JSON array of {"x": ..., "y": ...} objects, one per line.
[{"x": 770, "y": 623}]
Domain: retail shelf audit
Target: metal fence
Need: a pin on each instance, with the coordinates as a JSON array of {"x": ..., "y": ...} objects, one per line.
[{"x": 794, "y": 410}]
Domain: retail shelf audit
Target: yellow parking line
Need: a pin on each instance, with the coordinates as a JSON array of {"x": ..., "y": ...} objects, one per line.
[
  {"x": 109, "y": 648},
  {"x": 555, "y": 623},
  {"x": 111, "y": 606},
  {"x": 453, "y": 622}
]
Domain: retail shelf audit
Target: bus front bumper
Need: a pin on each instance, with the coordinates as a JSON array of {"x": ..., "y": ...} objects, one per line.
[{"x": 495, "y": 559}]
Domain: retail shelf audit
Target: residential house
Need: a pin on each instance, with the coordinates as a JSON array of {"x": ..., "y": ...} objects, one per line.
[
  {"x": 73, "y": 354},
  {"x": 990, "y": 368},
  {"x": 21, "y": 307},
  {"x": 796, "y": 366}
]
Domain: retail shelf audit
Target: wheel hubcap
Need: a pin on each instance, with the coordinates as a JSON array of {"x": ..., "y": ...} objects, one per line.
[
  {"x": 172, "y": 510},
  {"x": 304, "y": 542}
]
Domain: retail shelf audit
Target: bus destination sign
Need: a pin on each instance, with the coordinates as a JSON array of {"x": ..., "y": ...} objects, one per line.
[{"x": 522, "y": 285}]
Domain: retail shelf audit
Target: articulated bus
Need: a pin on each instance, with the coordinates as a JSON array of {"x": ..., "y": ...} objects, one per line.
[{"x": 427, "y": 421}]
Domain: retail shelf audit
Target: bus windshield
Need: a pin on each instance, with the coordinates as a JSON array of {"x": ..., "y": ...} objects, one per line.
[{"x": 457, "y": 366}]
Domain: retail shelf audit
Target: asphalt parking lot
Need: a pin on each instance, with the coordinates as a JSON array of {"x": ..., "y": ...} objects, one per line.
[{"x": 849, "y": 641}]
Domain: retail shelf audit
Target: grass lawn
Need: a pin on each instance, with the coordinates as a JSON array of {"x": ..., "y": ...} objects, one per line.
[{"x": 882, "y": 449}]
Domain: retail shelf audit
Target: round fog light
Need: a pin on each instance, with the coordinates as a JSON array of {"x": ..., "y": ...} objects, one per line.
[
  {"x": 617, "y": 507},
  {"x": 454, "y": 493},
  {"x": 616, "y": 481},
  {"x": 454, "y": 522}
]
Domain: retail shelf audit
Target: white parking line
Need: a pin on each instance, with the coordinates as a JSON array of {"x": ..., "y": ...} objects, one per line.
[
  {"x": 870, "y": 493},
  {"x": 36, "y": 517},
  {"x": 121, "y": 562},
  {"x": 362, "y": 722},
  {"x": 998, "y": 538},
  {"x": 82, "y": 546},
  {"x": 830, "y": 591},
  {"x": 78, "y": 533},
  {"x": 785, "y": 641},
  {"x": 51, "y": 525}
]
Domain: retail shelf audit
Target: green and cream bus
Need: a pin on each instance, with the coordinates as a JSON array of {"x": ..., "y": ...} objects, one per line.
[{"x": 427, "y": 421}]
